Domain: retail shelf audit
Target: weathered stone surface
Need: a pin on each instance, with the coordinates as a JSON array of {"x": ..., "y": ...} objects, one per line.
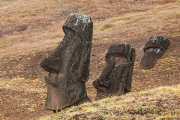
[
  {"x": 154, "y": 49},
  {"x": 68, "y": 64},
  {"x": 116, "y": 78}
]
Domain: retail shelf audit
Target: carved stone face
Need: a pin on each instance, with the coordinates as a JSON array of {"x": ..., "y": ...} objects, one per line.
[
  {"x": 116, "y": 77},
  {"x": 154, "y": 49},
  {"x": 68, "y": 64}
]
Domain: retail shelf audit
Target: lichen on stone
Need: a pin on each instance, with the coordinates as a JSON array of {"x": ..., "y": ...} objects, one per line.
[{"x": 81, "y": 18}]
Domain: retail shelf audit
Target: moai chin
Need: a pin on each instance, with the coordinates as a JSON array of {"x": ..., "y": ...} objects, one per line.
[
  {"x": 116, "y": 78},
  {"x": 154, "y": 49},
  {"x": 68, "y": 64}
]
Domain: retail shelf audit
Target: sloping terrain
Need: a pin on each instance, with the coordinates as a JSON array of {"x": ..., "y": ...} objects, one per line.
[
  {"x": 162, "y": 103},
  {"x": 31, "y": 29}
]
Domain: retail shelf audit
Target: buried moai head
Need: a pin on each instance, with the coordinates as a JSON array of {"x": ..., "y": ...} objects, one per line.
[
  {"x": 154, "y": 49},
  {"x": 116, "y": 78},
  {"x": 68, "y": 64}
]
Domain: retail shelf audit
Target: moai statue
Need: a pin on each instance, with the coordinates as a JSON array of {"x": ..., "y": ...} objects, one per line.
[
  {"x": 68, "y": 64},
  {"x": 154, "y": 49},
  {"x": 116, "y": 78}
]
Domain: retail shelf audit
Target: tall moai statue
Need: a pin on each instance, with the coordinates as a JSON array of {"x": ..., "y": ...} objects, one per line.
[
  {"x": 154, "y": 49},
  {"x": 68, "y": 65},
  {"x": 116, "y": 78}
]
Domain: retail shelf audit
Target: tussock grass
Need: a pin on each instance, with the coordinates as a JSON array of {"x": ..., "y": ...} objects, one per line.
[
  {"x": 159, "y": 103},
  {"x": 105, "y": 26},
  {"x": 31, "y": 29}
]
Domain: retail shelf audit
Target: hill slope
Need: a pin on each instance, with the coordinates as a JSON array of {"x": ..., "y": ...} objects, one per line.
[
  {"x": 159, "y": 103},
  {"x": 29, "y": 30}
]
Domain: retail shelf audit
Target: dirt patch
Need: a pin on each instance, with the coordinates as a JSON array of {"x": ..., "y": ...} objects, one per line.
[
  {"x": 21, "y": 105},
  {"x": 24, "y": 66},
  {"x": 22, "y": 86}
]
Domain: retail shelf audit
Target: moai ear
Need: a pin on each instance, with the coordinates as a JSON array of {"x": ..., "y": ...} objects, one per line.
[
  {"x": 154, "y": 49},
  {"x": 132, "y": 55},
  {"x": 130, "y": 71},
  {"x": 68, "y": 64},
  {"x": 116, "y": 78}
]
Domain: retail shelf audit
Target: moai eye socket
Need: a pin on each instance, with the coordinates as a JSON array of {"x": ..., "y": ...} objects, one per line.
[{"x": 120, "y": 58}]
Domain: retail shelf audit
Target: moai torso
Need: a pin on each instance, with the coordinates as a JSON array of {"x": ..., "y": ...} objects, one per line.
[
  {"x": 116, "y": 78},
  {"x": 154, "y": 49},
  {"x": 68, "y": 64}
]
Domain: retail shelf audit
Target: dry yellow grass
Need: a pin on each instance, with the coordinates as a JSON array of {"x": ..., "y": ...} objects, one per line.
[
  {"x": 157, "y": 104},
  {"x": 30, "y": 29}
]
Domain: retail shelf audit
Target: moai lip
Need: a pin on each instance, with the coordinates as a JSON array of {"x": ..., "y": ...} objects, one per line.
[
  {"x": 154, "y": 49},
  {"x": 68, "y": 64},
  {"x": 116, "y": 78}
]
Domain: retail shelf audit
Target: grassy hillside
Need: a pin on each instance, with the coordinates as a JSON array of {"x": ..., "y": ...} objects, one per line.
[
  {"x": 162, "y": 103},
  {"x": 31, "y": 29}
]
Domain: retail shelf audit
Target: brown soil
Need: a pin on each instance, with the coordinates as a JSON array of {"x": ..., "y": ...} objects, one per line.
[{"x": 28, "y": 36}]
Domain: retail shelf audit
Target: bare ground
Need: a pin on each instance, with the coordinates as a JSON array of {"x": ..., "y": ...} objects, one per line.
[{"x": 29, "y": 31}]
